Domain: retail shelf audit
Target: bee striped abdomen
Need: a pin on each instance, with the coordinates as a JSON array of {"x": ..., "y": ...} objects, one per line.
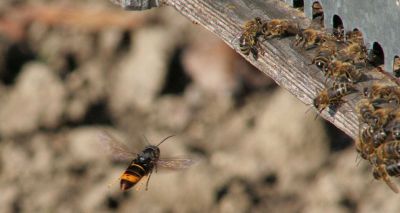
[
  {"x": 244, "y": 45},
  {"x": 132, "y": 175},
  {"x": 393, "y": 169}
]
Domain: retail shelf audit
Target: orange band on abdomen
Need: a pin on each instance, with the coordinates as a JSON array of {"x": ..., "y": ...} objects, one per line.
[{"x": 130, "y": 178}]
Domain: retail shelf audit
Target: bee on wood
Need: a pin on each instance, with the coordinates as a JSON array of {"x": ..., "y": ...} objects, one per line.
[
  {"x": 389, "y": 151},
  {"x": 322, "y": 60},
  {"x": 378, "y": 90},
  {"x": 364, "y": 110},
  {"x": 368, "y": 140},
  {"x": 248, "y": 41},
  {"x": 325, "y": 54},
  {"x": 393, "y": 169},
  {"x": 394, "y": 126},
  {"x": 381, "y": 172},
  {"x": 355, "y": 53},
  {"x": 354, "y": 36},
  {"x": 382, "y": 95},
  {"x": 310, "y": 38},
  {"x": 379, "y": 136},
  {"x": 396, "y": 67},
  {"x": 339, "y": 34},
  {"x": 279, "y": 28},
  {"x": 142, "y": 164},
  {"x": 381, "y": 117},
  {"x": 332, "y": 97},
  {"x": 395, "y": 129},
  {"x": 344, "y": 71},
  {"x": 363, "y": 143},
  {"x": 376, "y": 123}
]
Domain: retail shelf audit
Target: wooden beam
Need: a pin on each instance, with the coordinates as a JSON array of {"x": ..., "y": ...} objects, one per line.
[{"x": 287, "y": 66}]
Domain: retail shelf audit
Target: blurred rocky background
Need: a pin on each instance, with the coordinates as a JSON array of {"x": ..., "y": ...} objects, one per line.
[{"x": 69, "y": 69}]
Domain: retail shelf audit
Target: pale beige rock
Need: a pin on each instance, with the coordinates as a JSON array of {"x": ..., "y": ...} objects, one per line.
[
  {"x": 141, "y": 74},
  {"x": 36, "y": 101}
]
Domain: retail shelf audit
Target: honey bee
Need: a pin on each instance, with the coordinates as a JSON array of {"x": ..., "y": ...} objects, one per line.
[
  {"x": 344, "y": 71},
  {"x": 354, "y": 52},
  {"x": 380, "y": 172},
  {"x": 368, "y": 140},
  {"x": 142, "y": 164},
  {"x": 310, "y": 38},
  {"x": 378, "y": 137},
  {"x": 377, "y": 90},
  {"x": 363, "y": 143},
  {"x": 396, "y": 67},
  {"x": 382, "y": 95},
  {"x": 248, "y": 41},
  {"x": 325, "y": 54},
  {"x": 380, "y": 117},
  {"x": 364, "y": 110},
  {"x": 394, "y": 127},
  {"x": 332, "y": 97},
  {"x": 389, "y": 151},
  {"x": 279, "y": 28},
  {"x": 338, "y": 33},
  {"x": 253, "y": 24},
  {"x": 393, "y": 169},
  {"x": 322, "y": 59},
  {"x": 354, "y": 36}
]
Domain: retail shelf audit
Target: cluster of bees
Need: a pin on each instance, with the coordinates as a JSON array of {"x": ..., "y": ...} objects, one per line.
[
  {"x": 348, "y": 68},
  {"x": 379, "y": 132}
]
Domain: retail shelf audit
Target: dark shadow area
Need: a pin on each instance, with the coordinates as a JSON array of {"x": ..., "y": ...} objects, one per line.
[
  {"x": 249, "y": 190},
  {"x": 16, "y": 206},
  {"x": 221, "y": 193},
  {"x": 177, "y": 79},
  {"x": 376, "y": 56},
  {"x": 198, "y": 150},
  {"x": 70, "y": 64},
  {"x": 112, "y": 203},
  {"x": 78, "y": 170},
  {"x": 396, "y": 66},
  {"x": 338, "y": 140},
  {"x": 17, "y": 55},
  {"x": 125, "y": 42},
  {"x": 246, "y": 90},
  {"x": 338, "y": 28},
  {"x": 97, "y": 113},
  {"x": 270, "y": 179},
  {"x": 250, "y": 80},
  {"x": 337, "y": 22},
  {"x": 349, "y": 204},
  {"x": 298, "y": 3}
]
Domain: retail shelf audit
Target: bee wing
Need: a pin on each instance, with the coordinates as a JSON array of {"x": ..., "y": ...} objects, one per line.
[
  {"x": 175, "y": 163},
  {"x": 114, "y": 147}
]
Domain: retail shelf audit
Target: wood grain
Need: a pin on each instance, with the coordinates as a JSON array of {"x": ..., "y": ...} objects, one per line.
[{"x": 286, "y": 65}]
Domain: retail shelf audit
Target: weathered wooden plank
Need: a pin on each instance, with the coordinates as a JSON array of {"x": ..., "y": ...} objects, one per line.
[{"x": 287, "y": 66}]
